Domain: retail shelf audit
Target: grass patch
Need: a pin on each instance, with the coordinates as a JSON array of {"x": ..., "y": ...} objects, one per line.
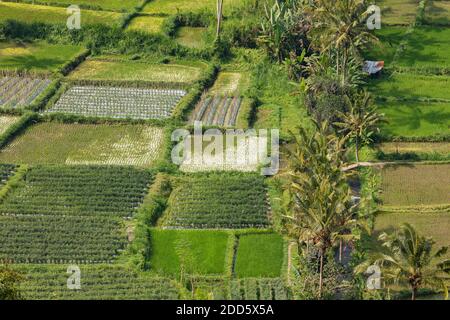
[
  {"x": 416, "y": 147},
  {"x": 390, "y": 38},
  {"x": 135, "y": 71},
  {"x": 435, "y": 225},
  {"x": 6, "y": 122},
  {"x": 229, "y": 84},
  {"x": 415, "y": 185},
  {"x": 411, "y": 86},
  {"x": 191, "y": 37},
  {"x": 149, "y": 24},
  {"x": 174, "y": 6},
  {"x": 56, "y": 143},
  {"x": 37, "y": 56},
  {"x": 199, "y": 251},
  {"x": 113, "y": 5},
  {"x": 415, "y": 119},
  {"x": 29, "y": 13},
  {"x": 438, "y": 12},
  {"x": 259, "y": 255}
]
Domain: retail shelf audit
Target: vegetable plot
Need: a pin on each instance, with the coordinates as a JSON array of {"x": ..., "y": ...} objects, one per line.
[
  {"x": 117, "y": 102},
  {"x": 18, "y": 92},
  {"x": 99, "y": 282},
  {"x": 215, "y": 201},
  {"x": 217, "y": 110}
]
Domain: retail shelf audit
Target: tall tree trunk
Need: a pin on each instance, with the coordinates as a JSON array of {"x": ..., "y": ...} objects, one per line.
[
  {"x": 321, "y": 274},
  {"x": 414, "y": 293},
  {"x": 219, "y": 17},
  {"x": 340, "y": 251}
]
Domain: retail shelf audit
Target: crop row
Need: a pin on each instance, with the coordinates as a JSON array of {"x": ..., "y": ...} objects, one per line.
[
  {"x": 217, "y": 110},
  {"x": 259, "y": 289},
  {"x": 114, "y": 102},
  {"x": 79, "y": 191},
  {"x": 216, "y": 201},
  {"x": 99, "y": 282},
  {"x": 16, "y": 92},
  {"x": 6, "y": 170}
]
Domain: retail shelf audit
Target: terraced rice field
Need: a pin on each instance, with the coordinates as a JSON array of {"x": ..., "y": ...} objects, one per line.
[
  {"x": 173, "y": 6},
  {"x": 64, "y": 214},
  {"x": 136, "y": 71},
  {"x": 149, "y": 24},
  {"x": 214, "y": 201},
  {"x": 259, "y": 289},
  {"x": 191, "y": 37},
  {"x": 229, "y": 84},
  {"x": 416, "y": 185},
  {"x": 420, "y": 147},
  {"x": 18, "y": 92},
  {"x": 114, "y": 102},
  {"x": 98, "y": 282},
  {"x": 113, "y": 5},
  {"x": 217, "y": 110},
  {"x": 437, "y": 12},
  {"x": 84, "y": 144},
  {"x": 6, "y": 122},
  {"x": 29, "y": 13},
  {"x": 394, "y": 12}
]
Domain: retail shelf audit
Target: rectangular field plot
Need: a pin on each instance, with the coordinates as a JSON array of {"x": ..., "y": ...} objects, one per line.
[
  {"x": 191, "y": 37},
  {"x": 149, "y": 24},
  {"x": 136, "y": 71},
  {"x": 112, "y": 5},
  {"x": 259, "y": 289},
  {"x": 229, "y": 84},
  {"x": 78, "y": 191},
  {"x": 115, "y": 102},
  {"x": 217, "y": 110},
  {"x": 99, "y": 282},
  {"x": 425, "y": 147},
  {"x": 412, "y": 86},
  {"x": 38, "y": 56},
  {"x": 18, "y": 92},
  {"x": 259, "y": 255},
  {"x": 173, "y": 6},
  {"x": 398, "y": 12},
  {"x": 56, "y": 143},
  {"x": 437, "y": 12},
  {"x": 29, "y": 13},
  {"x": 216, "y": 201},
  {"x": 416, "y": 185},
  {"x": 415, "y": 119},
  {"x": 55, "y": 239},
  {"x": 6, "y": 170},
  {"x": 197, "y": 251},
  {"x": 435, "y": 225},
  {"x": 6, "y": 122}
]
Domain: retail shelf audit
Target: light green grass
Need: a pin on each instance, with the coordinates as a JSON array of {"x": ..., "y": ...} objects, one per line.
[
  {"x": 435, "y": 225},
  {"x": 6, "y": 122},
  {"x": 113, "y": 5},
  {"x": 36, "y": 56},
  {"x": 415, "y": 185},
  {"x": 54, "y": 143},
  {"x": 259, "y": 255},
  {"x": 201, "y": 252},
  {"x": 415, "y": 119},
  {"x": 191, "y": 37},
  {"x": 149, "y": 24},
  {"x": 173, "y": 6},
  {"x": 405, "y": 85},
  {"x": 36, "y": 13},
  {"x": 132, "y": 71},
  {"x": 229, "y": 84}
]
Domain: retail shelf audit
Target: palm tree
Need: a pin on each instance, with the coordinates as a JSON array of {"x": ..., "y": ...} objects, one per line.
[
  {"x": 339, "y": 28},
  {"x": 320, "y": 208},
  {"x": 409, "y": 259},
  {"x": 360, "y": 123}
]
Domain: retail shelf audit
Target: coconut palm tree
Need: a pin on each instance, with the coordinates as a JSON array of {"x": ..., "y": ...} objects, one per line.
[
  {"x": 360, "y": 123},
  {"x": 409, "y": 259},
  {"x": 320, "y": 210}
]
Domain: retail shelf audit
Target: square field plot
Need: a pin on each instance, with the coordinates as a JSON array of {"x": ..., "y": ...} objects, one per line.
[
  {"x": 416, "y": 185},
  {"x": 437, "y": 12},
  {"x": 191, "y": 37},
  {"x": 216, "y": 201},
  {"x": 415, "y": 119},
  {"x": 149, "y": 24},
  {"x": 55, "y": 143},
  {"x": 435, "y": 225},
  {"x": 99, "y": 282},
  {"x": 38, "y": 56},
  {"x": 198, "y": 251},
  {"x": 19, "y": 92},
  {"x": 29, "y": 13},
  {"x": 259, "y": 255},
  {"x": 6, "y": 122},
  {"x": 136, "y": 71},
  {"x": 173, "y": 6},
  {"x": 412, "y": 86},
  {"x": 116, "y": 102}
]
